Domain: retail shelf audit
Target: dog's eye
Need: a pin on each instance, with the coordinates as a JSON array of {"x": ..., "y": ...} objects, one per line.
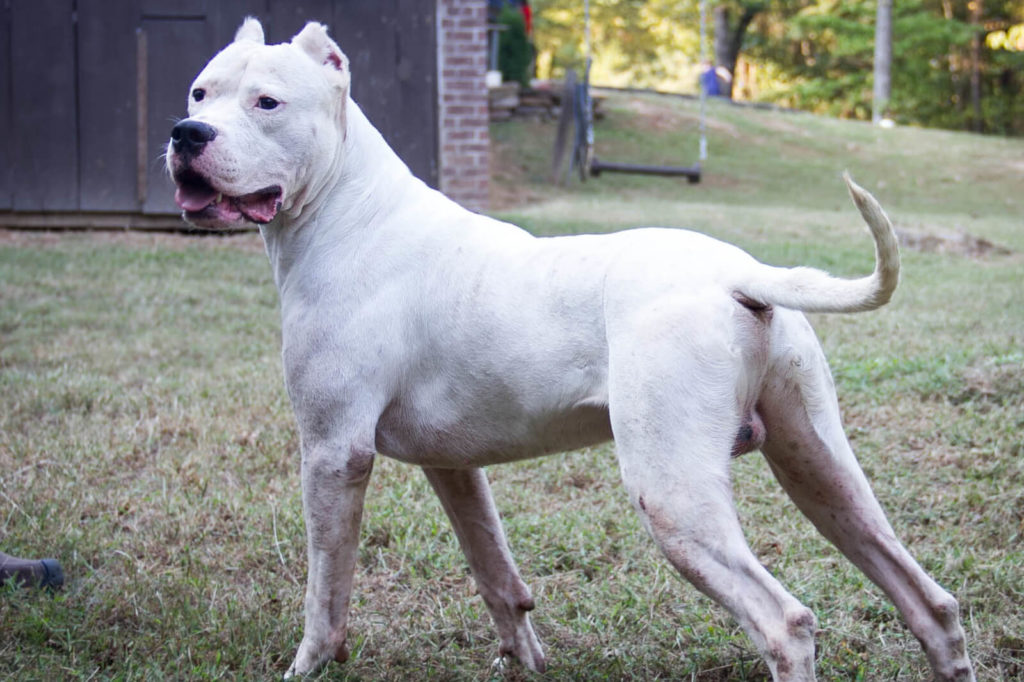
[
  {"x": 198, "y": 94},
  {"x": 267, "y": 103}
]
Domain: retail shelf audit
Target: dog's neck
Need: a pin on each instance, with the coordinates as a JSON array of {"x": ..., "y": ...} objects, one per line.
[{"x": 364, "y": 186}]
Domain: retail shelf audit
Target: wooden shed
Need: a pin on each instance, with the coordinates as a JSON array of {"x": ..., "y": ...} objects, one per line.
[{"x": 91, "y": 88}]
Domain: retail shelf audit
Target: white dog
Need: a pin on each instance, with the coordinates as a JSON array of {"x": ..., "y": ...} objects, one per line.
[{"x": 446, "y": 339}]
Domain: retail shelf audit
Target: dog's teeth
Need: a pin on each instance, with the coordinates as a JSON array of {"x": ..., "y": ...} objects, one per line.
[{"x": 220, "y": 196}]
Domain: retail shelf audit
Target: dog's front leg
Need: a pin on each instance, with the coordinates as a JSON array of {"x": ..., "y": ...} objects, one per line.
[
  {"x": 466, "y": 498},
  {"x": 334, "y": 478}
]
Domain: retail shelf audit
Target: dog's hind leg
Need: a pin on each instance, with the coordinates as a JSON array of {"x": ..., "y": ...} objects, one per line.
[
  {"x": 812, "y": 459},
  {"x": 675, "y": 414},
  {"x": 466, "y": 498}
]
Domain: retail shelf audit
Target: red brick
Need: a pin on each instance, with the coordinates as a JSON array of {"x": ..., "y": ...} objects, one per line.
[{"x": 464, "y": 136}]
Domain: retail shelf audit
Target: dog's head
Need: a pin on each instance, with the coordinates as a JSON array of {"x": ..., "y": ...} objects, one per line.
[{"x": 265, "y": 125}]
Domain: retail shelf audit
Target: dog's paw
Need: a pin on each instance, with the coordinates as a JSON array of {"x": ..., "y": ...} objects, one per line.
[
  {"x": 525, "y": 650},
  {"x": 312, "y": 657}
]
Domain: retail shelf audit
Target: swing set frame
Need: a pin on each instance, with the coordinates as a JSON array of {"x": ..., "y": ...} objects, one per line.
[{"x": 578, "y": 112}]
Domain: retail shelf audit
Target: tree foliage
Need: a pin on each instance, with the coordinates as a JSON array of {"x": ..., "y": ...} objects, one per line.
[
  {"x": 823, "y": 61},
  {"x": 515, "y": 53},
  {"x": 651, "y": 43},
  {"x": 955, "y": 64}
]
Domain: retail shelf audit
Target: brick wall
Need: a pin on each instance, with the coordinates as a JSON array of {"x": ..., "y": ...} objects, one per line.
[{"x": 464, "y": 139}]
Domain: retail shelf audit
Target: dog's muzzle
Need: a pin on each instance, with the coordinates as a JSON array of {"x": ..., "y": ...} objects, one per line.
[{"x": 201, "y": 199}]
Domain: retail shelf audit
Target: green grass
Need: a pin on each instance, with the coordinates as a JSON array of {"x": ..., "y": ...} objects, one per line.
[{"x": 146, "y": 439}]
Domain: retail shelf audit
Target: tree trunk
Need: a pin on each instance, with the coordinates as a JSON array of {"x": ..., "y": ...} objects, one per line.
[
  {"x": 729, "y": 39},
  {"x": 977, "y": 123},
  {"x": 723, "y": 48},
  {"x": 883, "y": 61}
]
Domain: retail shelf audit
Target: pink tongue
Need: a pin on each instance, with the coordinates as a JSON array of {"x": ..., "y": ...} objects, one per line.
[{"x": 192, "y": 199}]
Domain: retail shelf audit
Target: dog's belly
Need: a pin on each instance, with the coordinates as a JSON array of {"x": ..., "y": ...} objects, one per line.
[{"x": 479, "y": 439}]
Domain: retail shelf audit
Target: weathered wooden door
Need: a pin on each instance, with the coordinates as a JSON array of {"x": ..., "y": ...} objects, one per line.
[{"x": 96, "y": 86}]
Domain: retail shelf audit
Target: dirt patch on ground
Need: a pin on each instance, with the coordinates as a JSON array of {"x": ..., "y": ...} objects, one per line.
[
  {"x": 956, "y": 243},
  {"x": 660, "y": 117},
  {"x": 511, "y": 182},
  {"x": 509, "y": 186},
  {"x": 997, "y": 384}
]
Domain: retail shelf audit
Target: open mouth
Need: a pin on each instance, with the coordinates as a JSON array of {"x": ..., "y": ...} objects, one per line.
[{"x": 201, "y": 202}]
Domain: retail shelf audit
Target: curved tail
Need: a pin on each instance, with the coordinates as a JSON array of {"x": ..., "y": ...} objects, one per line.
[{"x": 812, "y": 290}]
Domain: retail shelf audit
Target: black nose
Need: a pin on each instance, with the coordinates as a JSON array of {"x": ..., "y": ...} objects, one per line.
[{"x": 189, "y": 137}]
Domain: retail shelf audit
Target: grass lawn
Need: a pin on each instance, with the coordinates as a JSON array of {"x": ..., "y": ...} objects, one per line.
[{"x": 147, "y": 442}]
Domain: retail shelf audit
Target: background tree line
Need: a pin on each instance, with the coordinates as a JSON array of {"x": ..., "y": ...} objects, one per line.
[{"x": 955, "y": 63}]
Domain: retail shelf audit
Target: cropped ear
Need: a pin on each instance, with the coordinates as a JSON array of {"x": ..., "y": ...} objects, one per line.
[
  {"x": 251, "y": 29},
  {"x": 314, "y": 41}
]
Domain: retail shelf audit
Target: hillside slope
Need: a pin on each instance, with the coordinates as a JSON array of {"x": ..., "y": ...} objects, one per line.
[{"x": 762, "y": 161}]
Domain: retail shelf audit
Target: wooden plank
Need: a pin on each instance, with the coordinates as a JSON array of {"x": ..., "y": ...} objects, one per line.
[
  {"x": 416, "y": 124},
  {"x": 391, "y": 46},
  {"x": 93, "y": 220},
  {"x": 176, "y": 51},
  {"x": 141, "y": 116},
  {"x": 174, "y": 9},
  {"x": 227, "y": 15},
  {"x": 364, "y": 30},
  {"x": 44, "y": 147},
  {"x": 285, "y": 19},
  {"x": 6, "y": 193},
  {"x": 107, "y": 104}
]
